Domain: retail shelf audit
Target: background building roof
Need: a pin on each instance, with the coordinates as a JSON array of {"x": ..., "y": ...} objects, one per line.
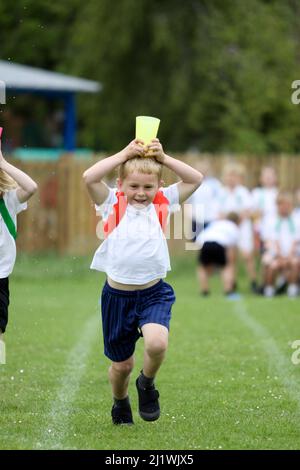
[{"x": 23, "y": 77}]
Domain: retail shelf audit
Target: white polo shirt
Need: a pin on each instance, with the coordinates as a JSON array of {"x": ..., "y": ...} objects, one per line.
[
  {"x": 7, "y": 242},
  {"x": 136, "y": 250},
  {"x": 264, "y": 199},
  {"x": 239, "y": 200},
  {"x": 283, "y": 230},
  {"x": 236, "y": 200},
  {"x": 223, "y": 232},
  {"x": 206, "y": 196}
]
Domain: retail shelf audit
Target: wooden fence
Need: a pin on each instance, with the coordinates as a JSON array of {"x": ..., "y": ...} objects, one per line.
[{"x": 62, "y": 218}]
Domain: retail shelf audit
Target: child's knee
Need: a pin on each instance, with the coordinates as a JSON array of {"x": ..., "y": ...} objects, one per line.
[
  {"x": 124, "y": 367},
  {"x": 156, "y": 347},
  {"x": 268, "y": 260},
  {"x": 294, "y": 263}
]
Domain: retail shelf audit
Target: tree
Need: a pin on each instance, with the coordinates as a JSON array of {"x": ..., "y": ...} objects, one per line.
[{"x": 218, "y": 74}]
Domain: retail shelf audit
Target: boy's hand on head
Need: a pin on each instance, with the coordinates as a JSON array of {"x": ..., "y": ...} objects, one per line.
[
  {"x": 154, "y": 149},
  {"x": 134, "y": 149}
]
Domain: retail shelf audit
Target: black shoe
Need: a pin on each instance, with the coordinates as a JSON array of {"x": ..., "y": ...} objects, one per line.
[
  {"x": 254, "y": 287},
  {"x": 121, "y": 415},
  {"x": 148, "y": 402},
  {"x": 260, "y": 289},
  {"x": 281, "y": 288},
  {"x": 205, "y": 293}
]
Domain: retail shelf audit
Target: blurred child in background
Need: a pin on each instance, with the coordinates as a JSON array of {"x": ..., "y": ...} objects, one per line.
[
  {"x": 264, "y": 200},
  {"x": 202, "y": 207},
  {"x": 220, "y": 240},
  {"x": 281, "y": 236},
  {"x": 296, "y": 211},
  {"x": 235, "y": 197}
]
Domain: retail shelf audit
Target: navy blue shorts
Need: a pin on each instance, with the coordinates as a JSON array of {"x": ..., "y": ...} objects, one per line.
[
  {"x": 4, "y": 303},
  {"x": 125, "y": 312}
]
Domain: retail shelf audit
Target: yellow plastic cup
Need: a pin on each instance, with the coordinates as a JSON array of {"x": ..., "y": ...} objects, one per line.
[{"x": 146, "y": 128}]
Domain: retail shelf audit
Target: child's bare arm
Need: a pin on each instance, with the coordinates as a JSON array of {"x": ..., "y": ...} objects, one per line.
[
  {"x": 97, "y": 189},
  {"x": 190, "y": 178},
  {"x": 27, "y": 187}
]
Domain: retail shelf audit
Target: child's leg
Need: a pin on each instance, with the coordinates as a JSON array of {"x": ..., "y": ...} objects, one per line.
[
  {"x": 156, "y": 343},
  {"x": 248, "y": 257},
  {"x": 272, "y": 268},
  {"x": 228, "y": 272},
  {"x": 227, "y": 275},
  {"x": 271, "y": 272},
  {"x": 293, "y": 270},
  {"x": 293, "y": 276},
  {"x": 154, "y": 317},
  {"x": 246, "y": 247},
  {"x": 119, "y": 375},
  {"x": 203, "y": 275}
]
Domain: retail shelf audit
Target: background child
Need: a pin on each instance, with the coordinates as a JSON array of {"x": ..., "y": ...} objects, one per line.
[
  {"x": 135, "y": 258},
  {"x": 296, "y": 211},
  {"x": 235, "y": 197},
  {"x": 219, "y": 240},
  {"x": 281, "y": 236},
  {"x": 264, "y": 201},
  {"x": 15, "y": 189},
  {"x": 202, "y": 207}
]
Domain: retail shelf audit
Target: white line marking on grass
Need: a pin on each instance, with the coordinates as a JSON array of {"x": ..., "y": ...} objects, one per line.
[
  {"x": 57, "y": 420},
  {"x": 278, "y": 361}
]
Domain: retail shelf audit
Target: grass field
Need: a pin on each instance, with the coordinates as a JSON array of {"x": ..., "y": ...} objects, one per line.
[{"x": 228, "y": 381}]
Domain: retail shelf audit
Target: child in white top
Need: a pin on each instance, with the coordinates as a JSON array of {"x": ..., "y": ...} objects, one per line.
[
  {"x": 235, "y": 197},
  {"x": 15, "y": 189},
  {"x": 264, "y": 197},
  {"x": 281, "y": 236},
  {"x": 218, "y": 244},
  {"x": 202, "y": 207},
  {"x": 135, "y": 258},
  {"x": 264, "y": 200},
  {"x": 296, "y": 211}
]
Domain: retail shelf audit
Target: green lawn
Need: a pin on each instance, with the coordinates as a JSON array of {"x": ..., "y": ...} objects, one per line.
[{"x": 228, "y": 381}]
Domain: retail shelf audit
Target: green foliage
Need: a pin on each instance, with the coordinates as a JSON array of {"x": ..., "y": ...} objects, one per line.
[
  {"x": 36, "y": 32},
  {"x": 218, "y": 74}
]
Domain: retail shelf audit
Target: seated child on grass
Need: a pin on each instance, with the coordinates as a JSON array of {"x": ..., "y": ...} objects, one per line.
[{"x": 281, "y": 236}]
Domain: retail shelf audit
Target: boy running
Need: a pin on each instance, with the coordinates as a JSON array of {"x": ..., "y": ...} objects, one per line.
[{"x": 135, "y": 300}]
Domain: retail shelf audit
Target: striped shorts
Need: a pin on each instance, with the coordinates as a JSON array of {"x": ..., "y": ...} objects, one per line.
[
  {"x": 4, "y": 302},
  {"x": 125, "y": 312}
]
